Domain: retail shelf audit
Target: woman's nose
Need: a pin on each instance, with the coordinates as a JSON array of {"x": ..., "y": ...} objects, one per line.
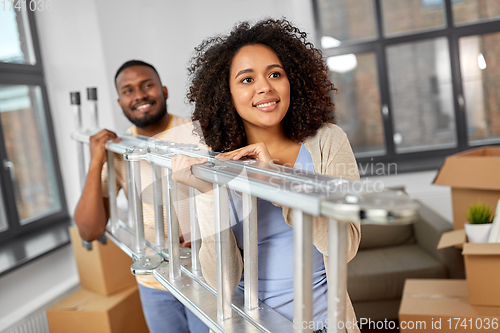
[{"x": 264, "y": 86}]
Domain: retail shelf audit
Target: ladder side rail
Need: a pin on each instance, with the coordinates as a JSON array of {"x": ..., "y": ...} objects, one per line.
[
  {"x": 131, "y": 214},
  {"x": 222, "y": 240},
  {"x": 158, "y": 206},
  {"x": 113, "y": 206},
  {"x": 337, "y": 276},
  {"x": 250, "y": 251},
  {"x": 92, "y": 101},
  {"x": 172, "y": 225},
  {"x": 303, "y": 270},
  {"x": 77, "y": 116},
  {"x": 195, "y": 233},
  {"x": 135, "y": 196}
]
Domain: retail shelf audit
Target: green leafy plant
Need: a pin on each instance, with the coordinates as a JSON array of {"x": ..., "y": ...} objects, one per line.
[{"x": 479, "y": 214}]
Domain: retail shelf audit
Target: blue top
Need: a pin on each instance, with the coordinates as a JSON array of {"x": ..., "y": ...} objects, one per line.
[{"x": 275, "y": 252}]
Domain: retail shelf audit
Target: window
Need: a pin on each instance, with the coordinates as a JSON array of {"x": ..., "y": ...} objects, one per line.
[
  {"x": 480, "y": 71},
  {"x": 31, "y": 193},
  {"x": 417, "y": 80},
  {"x": 358, "y": 109},
  {"x": 420, "y": 87}
]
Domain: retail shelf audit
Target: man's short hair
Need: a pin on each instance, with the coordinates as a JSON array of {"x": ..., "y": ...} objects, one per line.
[{"x": 131, "y": 63}]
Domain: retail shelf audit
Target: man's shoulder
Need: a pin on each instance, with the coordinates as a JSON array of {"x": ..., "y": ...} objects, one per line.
[
  {"x": 180, "y": 130},
  {"x": 176, "y": 121},
  {"x": 131, "y": 130}
]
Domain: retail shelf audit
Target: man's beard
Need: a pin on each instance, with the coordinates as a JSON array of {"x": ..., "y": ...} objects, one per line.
[{"x": 148, "y": 119}]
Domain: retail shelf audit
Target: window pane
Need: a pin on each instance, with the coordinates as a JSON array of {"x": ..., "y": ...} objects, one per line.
[
  {"x": 346, "y": 20},
  {"x": 412, "y": 15},
  {"x": 480, "y": 67},
  {"x": 28, "y": 150},
  {"x": 466, "y": 11},
  {"x": 421, "y": 95},
  {"x": 15, "y": 36},
  {"x": 357, "y": 102}
]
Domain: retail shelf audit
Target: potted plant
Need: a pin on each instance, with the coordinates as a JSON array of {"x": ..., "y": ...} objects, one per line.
[{"x": 480, "y": 218}]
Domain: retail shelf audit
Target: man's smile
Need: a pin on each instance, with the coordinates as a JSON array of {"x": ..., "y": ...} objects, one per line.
[{"x": 143, "y": 106}]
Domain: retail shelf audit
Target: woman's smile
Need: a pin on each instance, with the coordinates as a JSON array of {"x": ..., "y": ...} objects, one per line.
[{"x": 267, "y": 105}]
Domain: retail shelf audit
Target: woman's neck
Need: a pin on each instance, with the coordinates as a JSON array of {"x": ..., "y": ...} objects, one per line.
[{"x": 271, "y": 137}]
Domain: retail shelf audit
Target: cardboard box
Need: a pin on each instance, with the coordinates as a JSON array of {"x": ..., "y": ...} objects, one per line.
[
  {"x": 482, "y": 267},
  {"x": 473, "y": 175},
  {"x": 88, "y": 312},
  {"x": 105, "y": 269},
  {"x": 443, "y": 306}
]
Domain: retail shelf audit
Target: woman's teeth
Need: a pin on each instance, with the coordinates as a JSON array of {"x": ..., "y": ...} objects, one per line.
[{"x": 266, "y": 104}]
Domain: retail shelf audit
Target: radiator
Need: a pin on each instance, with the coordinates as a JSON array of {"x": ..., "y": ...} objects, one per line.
[{"x": 34, "y": 323}]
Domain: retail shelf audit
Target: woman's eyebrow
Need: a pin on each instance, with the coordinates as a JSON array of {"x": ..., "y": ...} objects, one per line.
[
  {"x": 275, "y": 65},
  {"x": 248, "y": 70}
]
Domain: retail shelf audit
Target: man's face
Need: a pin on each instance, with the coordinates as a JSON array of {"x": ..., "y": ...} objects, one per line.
[{"x": 141, "y": 95}]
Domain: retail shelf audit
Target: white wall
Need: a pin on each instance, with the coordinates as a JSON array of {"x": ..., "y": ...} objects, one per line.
[
  {"x": 84, "y": 42},
  {"x": 73, "y": 59}
]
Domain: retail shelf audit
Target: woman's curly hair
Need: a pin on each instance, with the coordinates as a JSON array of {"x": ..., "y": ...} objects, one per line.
[{"x": 310, "y": 87}]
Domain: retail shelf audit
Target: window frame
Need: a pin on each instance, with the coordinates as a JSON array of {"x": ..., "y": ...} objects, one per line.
[
  {"x": 27, "y": 74},
  {"x": 426, "y": 159}
]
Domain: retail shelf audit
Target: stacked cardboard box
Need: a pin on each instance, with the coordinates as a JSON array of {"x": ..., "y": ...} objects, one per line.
[
  {"x": 87, "y": 312},
  {"x": 105, "y": 269},
  {"x": 109, "y": 299},
  {"x": 443, "y": 306},
  {"x": 482, "y": 267},
  {"x": 471, "y": 305},
  {"x": 473, "y": 176}
]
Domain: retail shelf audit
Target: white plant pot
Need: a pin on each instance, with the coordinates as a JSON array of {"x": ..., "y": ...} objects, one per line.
[{"x": 478, "y": 233}]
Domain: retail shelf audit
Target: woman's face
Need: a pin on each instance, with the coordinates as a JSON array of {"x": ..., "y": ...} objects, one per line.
[{"x": 259, "y": 87}]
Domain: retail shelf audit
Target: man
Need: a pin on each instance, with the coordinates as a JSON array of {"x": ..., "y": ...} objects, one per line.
[{"x": 143, "y": 101}]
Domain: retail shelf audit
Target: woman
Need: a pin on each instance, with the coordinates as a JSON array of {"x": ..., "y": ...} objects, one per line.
[{"x": 263, "y": 92}]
